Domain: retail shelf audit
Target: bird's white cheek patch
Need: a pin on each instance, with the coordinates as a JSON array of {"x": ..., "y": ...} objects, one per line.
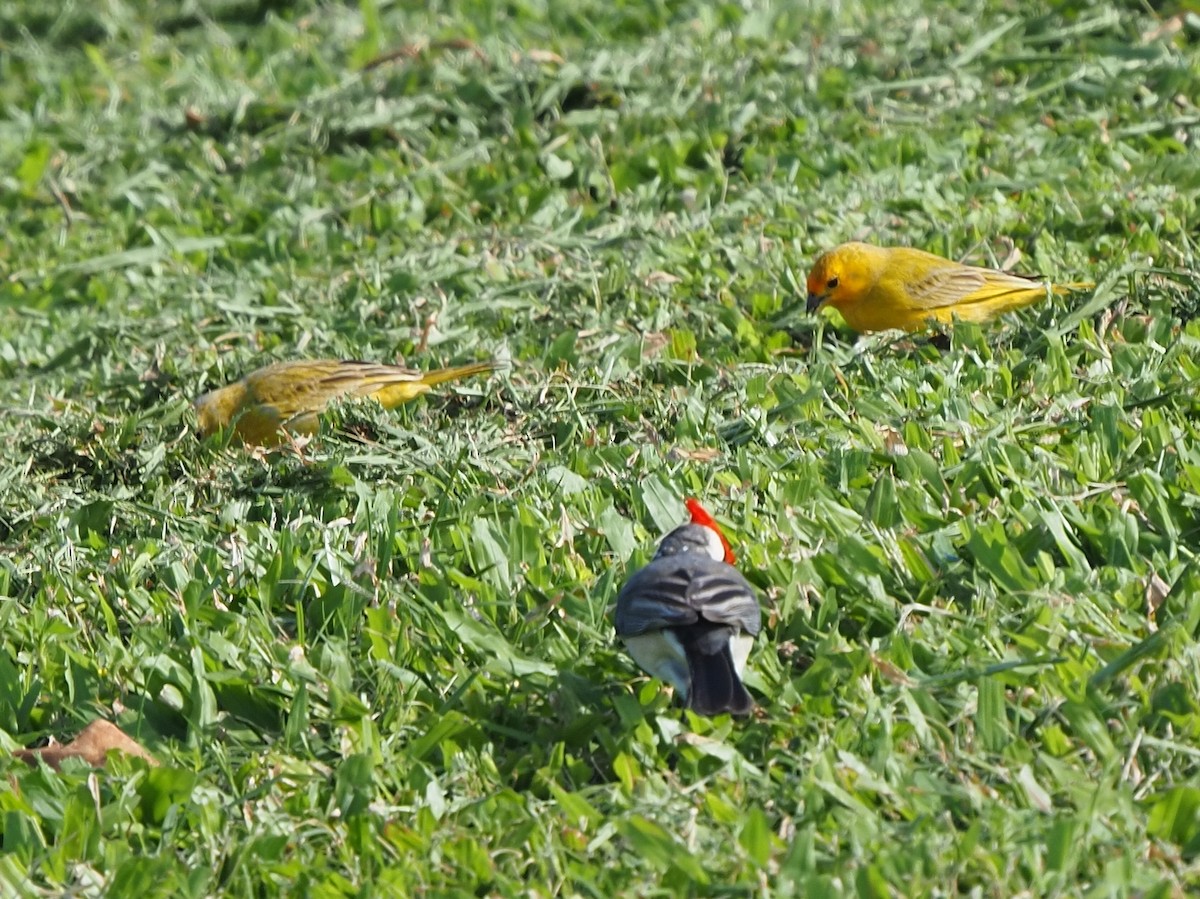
[
  {"x": 716, "y": 549},
  {"x": 739, "y": 648},
  {"x": 661, "y": 653}
]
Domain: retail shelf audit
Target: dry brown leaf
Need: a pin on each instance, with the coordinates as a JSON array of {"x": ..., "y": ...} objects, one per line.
[
  {"x": 408, "y": 51},
  {"x": 893, "y": 443},
  {"x": 92, "y": 745},
  {"x": 890, "y": 672},
  {"x": 1168, "y": 28},
  {"x": 540, "y": 56},
  {"x": 1157, "y": 591},
  {"x": 419, "y": 48},
  {"x": 566, "y": 530},
  {"x": 1012, "y": 254},
  {"x": 703, "y": 454},
  {"x": 653, "y": 342},
  {"x": 660, "y": 277},
  {"x": 690, "y": 739}
]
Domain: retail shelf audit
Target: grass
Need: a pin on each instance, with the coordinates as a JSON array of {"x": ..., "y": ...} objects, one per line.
[{"x": 386, "y": 666}]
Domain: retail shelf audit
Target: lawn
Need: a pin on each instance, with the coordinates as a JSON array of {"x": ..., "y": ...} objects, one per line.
[{"x": 383, "y": 663}]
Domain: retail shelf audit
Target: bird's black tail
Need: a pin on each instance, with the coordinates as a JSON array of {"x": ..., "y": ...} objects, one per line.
[{"x": 716, "y": 687}]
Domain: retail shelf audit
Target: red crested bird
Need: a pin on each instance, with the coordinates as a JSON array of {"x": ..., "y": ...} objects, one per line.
[{"x": 689, "y": 617}]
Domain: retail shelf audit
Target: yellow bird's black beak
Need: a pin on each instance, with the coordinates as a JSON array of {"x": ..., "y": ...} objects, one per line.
[{"x": 815, "y": 300}]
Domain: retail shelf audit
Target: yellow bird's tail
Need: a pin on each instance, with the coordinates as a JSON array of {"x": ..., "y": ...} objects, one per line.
[
  {"x": 393, "y": 394},
  {"x": 441, "y": 375}
]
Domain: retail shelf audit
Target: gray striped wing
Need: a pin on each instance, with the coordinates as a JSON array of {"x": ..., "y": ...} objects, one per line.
[{"x": 674, "y": 591}]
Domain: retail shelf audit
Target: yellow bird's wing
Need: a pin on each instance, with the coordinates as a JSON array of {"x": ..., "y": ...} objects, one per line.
[
  {"x": 301, "y": 388},
  {"x": 305, "y": 388},
  {"x": 366, "y": 378},
  {"x": 963, "y": 284},
  {"x": 391, "y": 385},
  {"x": 293, "y": 388}
]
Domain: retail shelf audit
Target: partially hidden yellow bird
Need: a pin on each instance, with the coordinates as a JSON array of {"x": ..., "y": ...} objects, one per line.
[
  {"x": 289, "y": 396},
  {"x": 877, "y": 288}
]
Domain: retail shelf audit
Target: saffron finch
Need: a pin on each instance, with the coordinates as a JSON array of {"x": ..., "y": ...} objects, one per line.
[
  {"x": 288, "y": 396},
  {"x": 877, "y": 288}
]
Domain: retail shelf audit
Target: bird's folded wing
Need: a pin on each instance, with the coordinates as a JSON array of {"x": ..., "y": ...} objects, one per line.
[
  {"x": 283, "y": 401},
  {"x": 680, "y": 590},
  {"x": 955, "y": 285},
  {"x": 722, "y": 596},
  {"x": 291, "y": 388},
  {"x": 365, "y": 378},
  {"x": 655, "y": 598}
]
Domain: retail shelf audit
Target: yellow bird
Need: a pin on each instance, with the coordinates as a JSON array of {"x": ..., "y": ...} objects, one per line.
[
  {"x": 288, "y": 396},
  {"x": 877, "y": 288}
]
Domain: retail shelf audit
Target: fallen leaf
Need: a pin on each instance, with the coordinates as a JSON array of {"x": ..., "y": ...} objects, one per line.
[
  {"x": 420, "y": 48},
  {"x": 1157, "y": 591},
  {"x": 566, "y": 532},
  {"x": 659, "y": 277},
  {"x": 92, "y": 745},
  {"x": 653, "y": 342},
  {"x": 893, "y": 443},
  {"x": 1035, "y": 793},
  {"x": 692, "y": 739},
  {"x": 540, "y": 56},
  {"x": 703, "y": 454},
  {"x": 1012, "y": 254},
  {"x": 891, "y": 672},
  {"x": 1167, "y": 29}
]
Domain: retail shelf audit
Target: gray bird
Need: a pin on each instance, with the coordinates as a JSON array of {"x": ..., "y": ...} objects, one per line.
[{"x": 689, "y": 617}]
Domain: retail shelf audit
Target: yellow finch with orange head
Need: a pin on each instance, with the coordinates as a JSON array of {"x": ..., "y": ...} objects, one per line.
[
  {"x": 288, "y": 397},
  {"x": 877, "y": 288}
]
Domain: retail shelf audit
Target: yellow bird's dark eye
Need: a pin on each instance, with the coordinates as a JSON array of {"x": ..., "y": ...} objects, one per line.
[{"x": 832, "y": 283}]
